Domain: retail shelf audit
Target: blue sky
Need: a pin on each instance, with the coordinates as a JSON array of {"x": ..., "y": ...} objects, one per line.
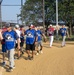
[{"x": 9, "y": 13}]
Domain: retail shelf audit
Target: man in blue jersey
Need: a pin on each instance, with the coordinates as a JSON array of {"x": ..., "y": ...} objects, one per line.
[
  {"x": 63, "y": 32},
  {"x": 10, "y": 36},
  {"x": 39, "y": 44},
  {"x": 31, "y": 39}
]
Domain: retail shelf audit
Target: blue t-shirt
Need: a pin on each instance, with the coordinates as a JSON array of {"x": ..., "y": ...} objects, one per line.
[
  {"x": 39, "y": 34},
  {"x": 30, "y": 36},
  {"x": 10, "y": 38},
  {"x": 63, "y": 31}
]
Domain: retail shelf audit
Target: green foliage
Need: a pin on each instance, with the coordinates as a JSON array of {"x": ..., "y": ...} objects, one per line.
[
  {"x": 32, "y": 11},
  {"x": 66, "y": 10}
]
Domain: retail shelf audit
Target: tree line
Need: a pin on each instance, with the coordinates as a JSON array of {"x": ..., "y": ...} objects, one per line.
[{"x": 33, "y": 12}]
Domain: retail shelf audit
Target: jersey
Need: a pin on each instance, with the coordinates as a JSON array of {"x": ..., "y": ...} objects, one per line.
[
  {"x": 30, "y": 36},
  {"x": 63, "y": 31},
  {"x": 10, "y": 38},
  {"x": 51, "y": 31},
  {"x": 39, "y": 34}
]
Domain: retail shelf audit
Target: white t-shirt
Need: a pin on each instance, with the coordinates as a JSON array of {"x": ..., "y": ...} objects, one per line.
[{"x": 19, "y": 34}]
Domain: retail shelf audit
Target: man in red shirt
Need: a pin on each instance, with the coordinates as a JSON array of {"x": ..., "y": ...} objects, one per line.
[{"x": 50, "y": 33}]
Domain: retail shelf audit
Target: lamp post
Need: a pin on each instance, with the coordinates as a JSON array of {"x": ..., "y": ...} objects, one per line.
[
  {"x": 57, "y": 19},
  {"x": 0, "y": 14}
]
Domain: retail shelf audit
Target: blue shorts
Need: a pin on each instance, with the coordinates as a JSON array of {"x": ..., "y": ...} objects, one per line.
[{"x": 3, "y": 48}]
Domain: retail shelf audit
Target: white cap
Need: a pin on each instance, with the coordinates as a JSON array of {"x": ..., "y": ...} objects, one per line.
[
  {"x": 50, "y": 24},
  {"x": 17, "y": 26}
]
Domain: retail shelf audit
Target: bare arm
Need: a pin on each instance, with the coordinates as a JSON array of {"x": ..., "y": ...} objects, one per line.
[{"x": 1, "y": 35}]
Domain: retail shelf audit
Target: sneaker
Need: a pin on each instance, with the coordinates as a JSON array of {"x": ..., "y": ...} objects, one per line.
[
  {"x": 37, "y": 53},
  {"x": 14, "y": 67},
  {"x": 28, "y": 58},
  {"x": 50, "y": 46},
  {"x": 62, "y": 46},
  {"x": 10, "y": 69},
  {"x": 41, "y": 52},
  {"x": 32, "y": 58},
  {"x": 15, "y": 58},
  {"x": 18, "y": 58},
  {"x": 3, "y": 63}
]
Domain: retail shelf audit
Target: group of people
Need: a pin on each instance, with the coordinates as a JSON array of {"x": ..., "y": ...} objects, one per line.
[{"x": 13, "y": 39}]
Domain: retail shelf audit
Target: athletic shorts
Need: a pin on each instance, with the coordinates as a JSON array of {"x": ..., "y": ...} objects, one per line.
[
  {"x": 16, "y": 45},
  {"x": 3, "y": 48},
  {"x": 30, "y": 47},
  {"x": 39, "y": 43},
  {"x": 21, "y": 44}
]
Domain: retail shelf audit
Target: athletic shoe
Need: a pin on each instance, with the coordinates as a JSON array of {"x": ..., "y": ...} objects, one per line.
[
  {"x": 37, "y": 53},
  {"x": 62, "y": 46},
  {"x": 14, "y": 67},
  {"x": 19, "y": 56},
  {"x": 32, "y": 58},
  {"x": 28, "y": 58},
  {"x": 50, "y": 46},
  {"x": 10, "y": 69},
  {"x": 3, "y": 64},
  {"x": 41, "y": 52}
]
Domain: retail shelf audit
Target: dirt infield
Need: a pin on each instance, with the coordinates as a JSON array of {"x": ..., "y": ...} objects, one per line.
[{"x": 53, "y": 61}]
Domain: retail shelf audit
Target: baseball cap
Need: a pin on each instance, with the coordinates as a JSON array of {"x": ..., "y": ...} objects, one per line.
[
  {"x": 50, "y": 24},
  {"x": 63, "y": 25},
  {"x": 31, "y": 26},
  {"x": 16, "y": 26},
  {"x": 8, "y": 25}
]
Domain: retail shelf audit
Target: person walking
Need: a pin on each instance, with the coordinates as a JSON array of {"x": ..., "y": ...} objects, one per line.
[
  {"x": 4, "y": 52},
  {"x": 50, "y": 33},
  {"x": 3, "y": 47},
  {"x": 31, "y": 39},
  {"x": 22, "y": 38},
  {"x": 10, "y": 36},
  {"x": 17, "y": 30},
  {"x": 63, "y": 32},
  {"x": 39, "y": 45}
]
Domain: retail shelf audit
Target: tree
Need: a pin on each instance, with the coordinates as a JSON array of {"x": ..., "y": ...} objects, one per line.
[
  {"x": 32, "y": 11},
  {"x": 66, "y": 12},
  {"x": 65, "y": 9}
]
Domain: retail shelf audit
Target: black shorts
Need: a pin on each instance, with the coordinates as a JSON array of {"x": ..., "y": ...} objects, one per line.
[
  {"x": 30, "y": 47},
  {"x": 21, "y": 44},
  {"x": 16, "y": 45}
]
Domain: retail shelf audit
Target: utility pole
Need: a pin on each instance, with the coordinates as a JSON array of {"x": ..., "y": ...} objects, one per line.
[
  {"x": 44, "y": 15},
  {"x": 57, "y": 20},
  {"x": 0, "y": 14},
  {"x": 17, "y": 19},
  {"x": 22, "y": 11}
]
